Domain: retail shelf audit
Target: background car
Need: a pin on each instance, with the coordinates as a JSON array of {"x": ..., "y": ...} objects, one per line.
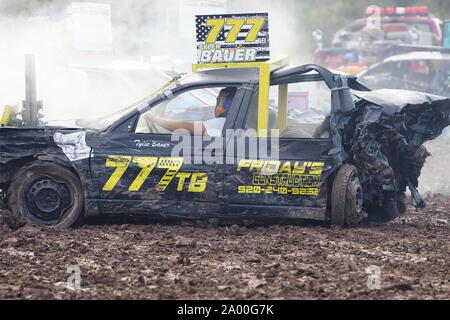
[{"x": 419, "y": 71}]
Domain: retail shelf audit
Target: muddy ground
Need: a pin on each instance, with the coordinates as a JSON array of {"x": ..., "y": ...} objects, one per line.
[{"x": 168, "y": 260}]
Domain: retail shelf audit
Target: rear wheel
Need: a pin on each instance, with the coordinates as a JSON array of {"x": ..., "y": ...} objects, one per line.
[
  {"x": 46, "y": 194},
  {"x": 346, "y": 197}
]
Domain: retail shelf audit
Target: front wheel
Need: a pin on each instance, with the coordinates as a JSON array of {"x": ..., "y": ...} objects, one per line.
[
  {"x": 346, "y": 197},
  {"x": 46, "y": 194}
]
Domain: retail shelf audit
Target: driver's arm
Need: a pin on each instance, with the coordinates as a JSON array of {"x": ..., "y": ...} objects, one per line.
[{"x": 173, "y": 125}]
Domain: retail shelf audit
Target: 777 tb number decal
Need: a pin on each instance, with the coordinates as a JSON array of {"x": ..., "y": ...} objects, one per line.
[
  {"x": 236, "y": 26},
  {"x": 197, "y": 182}
]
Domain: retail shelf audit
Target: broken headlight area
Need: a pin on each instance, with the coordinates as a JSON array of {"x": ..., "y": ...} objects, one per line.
[{"x": 384, "y": 137}]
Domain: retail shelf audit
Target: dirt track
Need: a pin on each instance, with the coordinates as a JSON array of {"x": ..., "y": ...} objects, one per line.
[{"x": 151, "y": 260}]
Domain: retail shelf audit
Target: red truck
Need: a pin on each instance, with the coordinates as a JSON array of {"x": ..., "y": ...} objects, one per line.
[{"x": 365, "y": 41}]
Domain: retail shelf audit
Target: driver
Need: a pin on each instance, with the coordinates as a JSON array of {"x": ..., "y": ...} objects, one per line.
[{"x": 212, "y": 127}]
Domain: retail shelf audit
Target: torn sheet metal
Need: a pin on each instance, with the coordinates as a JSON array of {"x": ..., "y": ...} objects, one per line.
[
  {"x": 384, "y": 137},
  {"x": 73, "y": 145}
]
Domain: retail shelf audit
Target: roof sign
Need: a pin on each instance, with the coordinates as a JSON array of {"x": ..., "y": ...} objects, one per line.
[{"x": 232, "y": 38}]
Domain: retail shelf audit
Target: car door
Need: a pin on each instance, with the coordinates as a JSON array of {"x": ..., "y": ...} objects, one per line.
[
  {"x": 289, "y": 174},
  {"x": 144, "y": 168}
]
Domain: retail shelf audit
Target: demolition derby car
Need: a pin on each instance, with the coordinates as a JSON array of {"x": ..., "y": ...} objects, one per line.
[
  {"x": 382, "y": 33},
  {"x": 338, "y": 150},
  {"x": 419, "y": 71}
]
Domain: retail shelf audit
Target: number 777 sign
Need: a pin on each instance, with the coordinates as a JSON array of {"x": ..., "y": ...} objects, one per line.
[{"x": 232, "y": 38}]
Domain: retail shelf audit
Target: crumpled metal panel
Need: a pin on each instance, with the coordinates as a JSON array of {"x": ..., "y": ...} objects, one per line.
[{"x": 385, "y": 133}]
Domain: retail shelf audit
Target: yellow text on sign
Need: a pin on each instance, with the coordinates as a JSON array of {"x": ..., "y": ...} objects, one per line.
[{"x": 236, "y": 27}]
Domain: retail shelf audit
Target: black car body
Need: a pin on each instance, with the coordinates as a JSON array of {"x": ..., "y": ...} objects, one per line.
[{"x": 327, "y": 171}]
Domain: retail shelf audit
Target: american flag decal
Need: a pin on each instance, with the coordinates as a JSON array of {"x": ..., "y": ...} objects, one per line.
[{"x": 248, "y": 42}]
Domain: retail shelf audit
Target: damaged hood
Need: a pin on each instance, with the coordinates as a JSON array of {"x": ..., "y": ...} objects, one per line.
[
  {"x": 384, "y": 137},
  {"x": 395, "y": 101},
  {"x": 424, "y": 116}
]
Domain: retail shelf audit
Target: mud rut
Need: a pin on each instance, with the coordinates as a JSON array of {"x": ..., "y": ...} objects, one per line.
[{"x": 171, "y": 260}]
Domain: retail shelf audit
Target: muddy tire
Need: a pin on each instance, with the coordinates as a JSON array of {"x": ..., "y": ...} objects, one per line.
[
  {"x": 346, "y": 197},
  {"x": 46, "y": 194}
]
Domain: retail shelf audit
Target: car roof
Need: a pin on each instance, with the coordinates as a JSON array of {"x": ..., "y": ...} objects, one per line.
[
  {"x": 424, "y": 55},
  {"x": 242, "y": 75}
]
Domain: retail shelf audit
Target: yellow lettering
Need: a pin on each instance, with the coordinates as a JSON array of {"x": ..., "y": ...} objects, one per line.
[
  {"x": 237, "y": 25},
  {"x": 299, "y": 169},
  {"x": 217, "y": 25},
  {"x": 244, "y": 163},
  {"x": 198, "y": 182},
  {"x": 121, "y": 163},
  {"x": 257, "y": 25},
  {"x": 286, "y": 168},
  {"x": 147, "y": 164},
  {"x": 172, "y": 165},
  {"x": 182, "y": 176},
  {"x": 316, "y": 168}
]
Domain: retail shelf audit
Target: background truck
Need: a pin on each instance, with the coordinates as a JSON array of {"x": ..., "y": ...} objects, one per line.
[{"x": 368, "y": 40}]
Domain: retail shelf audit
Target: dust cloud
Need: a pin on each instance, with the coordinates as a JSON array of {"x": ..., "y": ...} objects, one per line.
[
  {"x": 148, "y": 37},
  {"x": 73, "y": 83}
]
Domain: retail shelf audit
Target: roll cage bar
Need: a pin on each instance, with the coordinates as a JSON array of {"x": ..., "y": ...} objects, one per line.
[{"x": 339, "y": 84}]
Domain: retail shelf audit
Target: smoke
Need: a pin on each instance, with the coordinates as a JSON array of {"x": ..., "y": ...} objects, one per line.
[
  {"x": 71, "y": 83},
  {"x": 435, "y": 174},
  {"x": 288, "y": 35},
  {"x": 147, "y": 35}
]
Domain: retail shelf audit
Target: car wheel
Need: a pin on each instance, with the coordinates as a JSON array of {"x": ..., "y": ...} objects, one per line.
[
  {"x": 46, "y": 194},
  {"x": 346, "y": 197}
]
